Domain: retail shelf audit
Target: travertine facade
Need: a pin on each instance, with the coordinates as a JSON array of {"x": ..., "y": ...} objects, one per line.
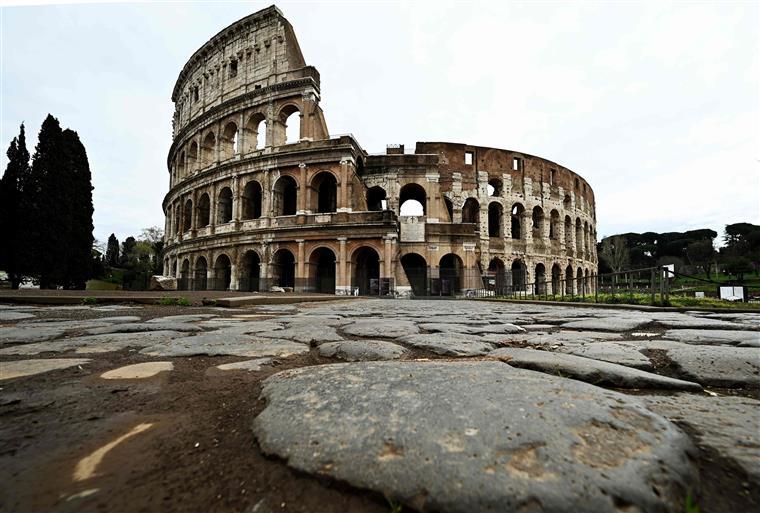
[{"x": 248, "y": 209}]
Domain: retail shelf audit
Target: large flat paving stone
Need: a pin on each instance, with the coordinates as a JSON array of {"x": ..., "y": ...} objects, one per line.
[
  {"x": 213, "y": 344},
  {"x": 89, "y": 344},
  {"x": 619, "y": 353},
  {"x": 21, "y": 368},
  {"x": 728, "y": 425},
  {"x": 138, "y": 327},
  {"x": 504, "y": 328},
  {"x": 609, "y": 323},
  {"x": 29, "y": 334},
  {"x": 720, "y": 366},
  {"x": 6, "y": 315},
  {"x": 138, "y": 370},
  {"x": 246, "y": 365},
  {"x": 450, "y": 344},
  {"x": 475, "y": 437},
  {"x": 183, "y": 318},
  {"x": 381, "y": 328},
  {"x": 689, "y": 321},
  {"x": 586, "y": 369},
  {"x": 712, "y": 337},
  {"x": 305, "y": 333},
  {"x": 362, "y": 350}
]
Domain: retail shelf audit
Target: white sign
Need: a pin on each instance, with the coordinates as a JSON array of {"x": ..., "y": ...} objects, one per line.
[
  {"x": 732, "y": 293},
  {"x": 668, "y": 271},
  {"x": 699, "y": 294}
]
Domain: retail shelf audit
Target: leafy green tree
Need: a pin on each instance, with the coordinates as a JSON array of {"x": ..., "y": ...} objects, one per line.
[
  {"x": 128, "y": 258},
  {"x": 615, "y": 253},
  {"x": 80, "y": 239},
  {"x": 701, "y": 254},
  {"x": 738, "y": 266},
  {"x": 11, "y": 226}
]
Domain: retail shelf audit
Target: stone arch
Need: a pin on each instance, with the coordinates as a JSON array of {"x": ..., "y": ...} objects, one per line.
[
  {"x": 451, "y": 272},
  {"x": 321, "y": 270},
  {"x": 222, "y": 272},
  {"x": 517, "y": 214},
  {"x": 568, "y": 232},
  {"x": 554, "y": 224},
  {"x": 250, "y": 271},
  {"x": 569, "y": 280},
  {"x": 375, "y": 197},
  {"x": 538, "y": 222},
  {"x": 556, "y": 278},
  {"x": 495, "y": 187},
  {"x": 449, "y": 208},
  {"x": 204, "y": 211},
  {"x": 283, "y": 268},
  {"x": 255, "y": 132},
  {"x": 208, "y": 149},
  {"x": 285, "y": 196},
  {"x": 579, "y": 279},
  {"x": 471, "y": 212},
  {"x": 183, "y": 283},
  {"x": 415, "y": 268},
  {"x": 187, "y": 216},
  {"x": 496, "y": 279},
  {"x": 224, "y": 206},
  {"x": 252, "y": 200},
  {"x": 567, "y": 202},
  {"x": 412, "y": 192},
  {"x": 365, "y": 270},
  {"x": 180, "y": 166},
  {"x": 578, "y": 236},
  {"x": 192, "y": 157},
  {"x": 228, "y": 141},
  {"x": 495, "y": 219},
  {"x": 540, "y": 279},
  {"x": 519, "y": 275},
  {"x": 200, "y": 271},
  {"x": 289, "y": 124},
  {"x": 324, "y": 197}
]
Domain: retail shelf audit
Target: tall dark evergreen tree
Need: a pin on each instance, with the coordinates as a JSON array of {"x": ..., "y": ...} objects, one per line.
[
  {"x": 79, "y": 182},
  {"x": 12, "y": 229},
  {"x": 112, "y": 251},
  {"x": 128, "y": 257}
]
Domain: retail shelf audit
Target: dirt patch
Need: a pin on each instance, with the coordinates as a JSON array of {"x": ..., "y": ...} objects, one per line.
[{"x": 604, "y": 445}]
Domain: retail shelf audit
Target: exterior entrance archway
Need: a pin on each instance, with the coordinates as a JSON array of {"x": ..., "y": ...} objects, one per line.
[
  {"x": 366, "y": 272},
  {"x": 251, "y": 272},
  {"x": 322, "y": 271},
  {"x": 450, "y": 272},
  {"x": 284, "y": 269},
  {"x": 415, "y": 268}
]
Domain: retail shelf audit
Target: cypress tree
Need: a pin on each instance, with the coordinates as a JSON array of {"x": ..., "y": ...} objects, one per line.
[
  {"x": 79, "y": 183},
  {"x": 11, "y": 227},
  {"x": 112, "y": 251}
]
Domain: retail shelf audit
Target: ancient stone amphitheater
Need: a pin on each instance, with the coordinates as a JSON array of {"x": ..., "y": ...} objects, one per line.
[{"x": 261, "y": 195}]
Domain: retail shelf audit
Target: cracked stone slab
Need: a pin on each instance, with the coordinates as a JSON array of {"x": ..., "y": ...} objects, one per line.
[
  {"x": 212, "y": 344},
  {"x": 381, "y": 328},
  {"x": 21, "y": 368},
  {"x": 305, "y": 333},
  {"x": 472, "y": 329},
  {"x": 183, "y": 318},
  {"x": 138, "y": 370},
  {"x": 29, "y": 334},
  {"x": 5, "y": 315},
  {"x": 139, "y": 327},
  {"x": 608, "y": 323},
  {"x": 619, "y": 353},
  {"x": 712, "y": 337},
  {"x": 362, "y": 350},
  {"x": 72, "y": 324},
  {"x": 728, "y": 425},
  {"x": 504, "y": 439},
  {"x": 89, "y": 344},
  {"x": 450, "y": 344},
  {"x": 246, "y": 365},
  {"x": 688, "y": 321},
  {"x": 586, "y": 369},
  {"x": 562, "y": 337},
  {"x": 718, "y": 365}
]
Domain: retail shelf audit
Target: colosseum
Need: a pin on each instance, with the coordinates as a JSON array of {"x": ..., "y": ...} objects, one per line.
[{"x": 261, "y": 195}]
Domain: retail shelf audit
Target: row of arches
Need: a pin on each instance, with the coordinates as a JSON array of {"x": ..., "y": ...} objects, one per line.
[{"x": 234, "y": 138}]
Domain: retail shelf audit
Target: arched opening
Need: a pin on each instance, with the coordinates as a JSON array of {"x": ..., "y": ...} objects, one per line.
[
  {"x": 376, "y": 199},
  {"x": 184, "y": 276},
  {"x": 222, "y": 273},
  {"x": 255, "y": 133},
  {"x": 366, "y": 271},
  {"x": 284, "y": 196},
  {"x": 228, "y": 141},
  {"x": 449, "y": 208},
  {"x": 252, "y": 200},
  {"x": 554, "y": 225},
  {"x": 495, "y": 187},
  {"x": 204, "y": 211},
  {"x": 177, "y": 220},
  {"x": 579, "y": 278},
  {"x": 251, "y": 272},
  {"x": 290, "y": 118},
  {"x": 586, "y": 238},
  {"x": 518, "y": 211},
  {"x": 415, "y": 268},
  {"x": 412, "y": 200},
  {"x": 173, "y": 271},
  {"x": 325, "y": 187},
  {"x": 568, "y": 232},
  {"x": 181, "y": 166},
  {"x": 538, "y": 223},
  {"x": 578, "y": 236},
  {"x": 207, "y": 149},
  {"x": 471, "y": 212},
  {"x": 322, "y": 271},
  {"x": 540, "y": 279},
  {"x": 192, "y": 158},
  {"x": 187, "y": 216},
  {"x": 569, "y": 282},
  {"x": 495, "y": 214},
  {"x": 496, "y": 277},
  {"x": 284, "y": 269},
  {"x": 201, "y": 273},
  {"x": 224, "y": 206},
  {"x": 518, "y": 275},
  {"x": 450, "y": 272},
  {"x": 556, "y": 278},
  {"x": 567, "y": 202}
]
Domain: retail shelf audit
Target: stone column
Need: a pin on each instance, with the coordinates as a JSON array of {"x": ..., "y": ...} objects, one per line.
[
  {"x": 241, "y": 136},
  {"x": 234, "y": 278},
  {"x": 300, "y": 265},
  {"x": 388, "y": 258},
  {"x": 301, "y": 209},
  {"x": 217, "y": 143},
  {"x": 343, "y": 202},
  {"x": 236, "y": 200},
  {"x": 342, "y": 285}
]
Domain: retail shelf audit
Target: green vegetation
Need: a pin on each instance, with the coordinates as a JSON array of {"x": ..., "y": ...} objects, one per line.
[
  {"x": 645, "y": 300},
  {"x": 89, "y": 301},
  {"x": 174, "y": 301},
  {"x": 690, "y": 506},
  {"x": 183, "y": 301}
]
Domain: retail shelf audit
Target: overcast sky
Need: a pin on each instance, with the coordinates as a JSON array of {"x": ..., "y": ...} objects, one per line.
[{"x": 655, "y": 104}]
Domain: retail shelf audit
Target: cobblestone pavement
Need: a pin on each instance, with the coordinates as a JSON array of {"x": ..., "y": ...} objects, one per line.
[{"x": 343, "y": 406}]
